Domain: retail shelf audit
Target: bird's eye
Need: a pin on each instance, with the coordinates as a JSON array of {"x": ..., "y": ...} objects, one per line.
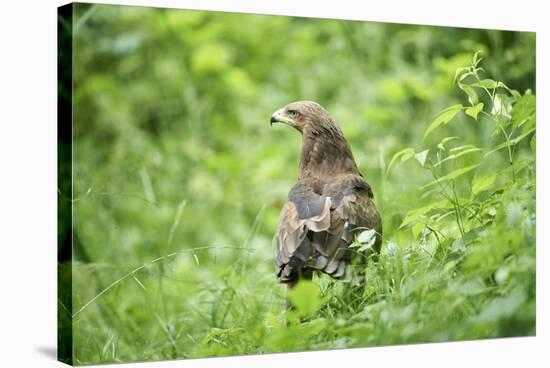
[{"x": 293, "y": 113}]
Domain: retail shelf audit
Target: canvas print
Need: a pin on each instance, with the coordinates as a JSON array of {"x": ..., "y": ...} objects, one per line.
[{"x": 234, "y": 184}]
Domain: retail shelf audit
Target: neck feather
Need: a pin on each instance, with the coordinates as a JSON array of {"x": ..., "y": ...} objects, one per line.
[{"x": 325, "y": 153}]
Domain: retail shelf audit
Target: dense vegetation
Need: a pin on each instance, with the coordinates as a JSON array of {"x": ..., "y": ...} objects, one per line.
[{"x": 179, "y": 180}]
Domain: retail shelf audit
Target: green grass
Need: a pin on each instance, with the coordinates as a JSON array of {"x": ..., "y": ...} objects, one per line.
[{"x": 179, "y": 182}]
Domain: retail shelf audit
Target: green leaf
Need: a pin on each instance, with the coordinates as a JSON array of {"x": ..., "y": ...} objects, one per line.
[
  {"x": 464, "y": 147},
  {"x": 443, "y": 118},
  {"x": 473, "y": 111},
  {"x": 523, "y": 110},
  {"x": 404, "y": 154},
  {"x": 450, "y": 176},
  {"x": 513, "y": 142},
  {"x": 366, "y": 236},
  {"x": 486, "y": 83},
  {"x": 457, "y": 155},
  {"x": 417, "y": 229},
  {"x": 459, "y": 72},
  {"x": 415, "y": 214},
  {"x": 306, "y": 297},
  {"x": 482, "y": 182},
  {"x": 367, "y": 239},
  {"x": 476, "y": 58},
  {"x": 472, "y": 94},
  {"x": 421, "y": 157}
]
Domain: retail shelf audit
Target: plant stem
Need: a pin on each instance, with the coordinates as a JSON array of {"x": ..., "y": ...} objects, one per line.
[
  {"x": 457, "y": 210},
  {"x": 508, "y": 144}
]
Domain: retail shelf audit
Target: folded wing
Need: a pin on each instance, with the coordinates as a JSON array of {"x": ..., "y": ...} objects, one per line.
[{"x": 318, "y": 224}]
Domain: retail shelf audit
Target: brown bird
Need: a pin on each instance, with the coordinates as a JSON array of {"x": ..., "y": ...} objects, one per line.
[{"x": 329, "y": 205}]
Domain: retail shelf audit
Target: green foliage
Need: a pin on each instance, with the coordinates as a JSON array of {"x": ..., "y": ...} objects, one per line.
[
  {"x": 482, "y": 237},
  {"x": 445, "y": 117},
  {"x": 473, "y": 111},
  {"x": 306, "y": 298},
  {"x": 178, "y": 182}
]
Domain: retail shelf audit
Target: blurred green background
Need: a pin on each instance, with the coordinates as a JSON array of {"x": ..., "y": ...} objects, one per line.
[{"x": 173, "y": 151}]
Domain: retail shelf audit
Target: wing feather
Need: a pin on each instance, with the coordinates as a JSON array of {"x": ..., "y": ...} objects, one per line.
[{"x": 316, "y": 227}]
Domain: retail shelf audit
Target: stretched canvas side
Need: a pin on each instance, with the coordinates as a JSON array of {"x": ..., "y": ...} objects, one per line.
[{"x": 64, "y": 185}]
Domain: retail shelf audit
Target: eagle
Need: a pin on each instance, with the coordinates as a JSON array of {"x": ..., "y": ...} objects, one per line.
[{"x": 329, "y": 205}]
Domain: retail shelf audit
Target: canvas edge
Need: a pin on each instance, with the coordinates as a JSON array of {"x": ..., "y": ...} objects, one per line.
[{"x": 64, "y": 183}]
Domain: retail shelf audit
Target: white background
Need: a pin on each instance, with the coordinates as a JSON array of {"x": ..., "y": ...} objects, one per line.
[{"x": 28, "y": 52}]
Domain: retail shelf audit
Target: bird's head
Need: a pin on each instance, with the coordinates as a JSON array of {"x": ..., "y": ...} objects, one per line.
[{"x": 302, "y": 115}]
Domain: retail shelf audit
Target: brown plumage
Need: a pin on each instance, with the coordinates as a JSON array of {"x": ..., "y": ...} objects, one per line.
[{"x": 330, "y": 203}]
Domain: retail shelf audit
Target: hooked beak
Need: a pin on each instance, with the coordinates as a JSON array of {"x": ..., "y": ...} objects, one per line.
[{"x": 279, "y": 117}]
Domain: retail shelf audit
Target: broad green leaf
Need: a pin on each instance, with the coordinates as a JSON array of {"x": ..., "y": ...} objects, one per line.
[
  {"x": 523, "y": 109},
  {"x": 404, "y": 154},
  {"x": 472, "y": 94},
  {"x": 486, "y": 83},
  {"x": 366, "y": 236},
  {"x": 444, "y": 117},
  {"x": 367, "y": 239},
  {"x": 534, "y": 143},
  {"x": 415, "y": 214},
  {"x": 306, "y": 297},
  {"x": 482, "y": 182},
  {"x": 450, "y": 176},
  {"x": 421, "y": 157},
  {"x": 512, "y": 142},
  {"x": 456, "y": 155},
  {"x": 473, "y": 111}
]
